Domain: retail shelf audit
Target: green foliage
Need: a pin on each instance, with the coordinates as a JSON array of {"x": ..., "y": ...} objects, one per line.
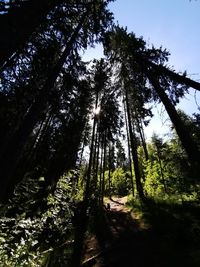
[
  {"x": 153, "y": 183},
  {"x": 29, "y": 240},
  {"x": 120, "y": 182},
  {"x": 168, "y": 174}
]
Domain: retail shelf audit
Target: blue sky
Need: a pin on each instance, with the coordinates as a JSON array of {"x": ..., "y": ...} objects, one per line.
[{"x": 174, "y": 24}]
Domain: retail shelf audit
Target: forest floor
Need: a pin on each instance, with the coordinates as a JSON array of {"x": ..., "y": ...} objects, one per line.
[{"x": 160, "y": 237}]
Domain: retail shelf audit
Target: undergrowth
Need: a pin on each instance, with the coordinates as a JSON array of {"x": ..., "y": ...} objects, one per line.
[{"x": 35, "y": 230}]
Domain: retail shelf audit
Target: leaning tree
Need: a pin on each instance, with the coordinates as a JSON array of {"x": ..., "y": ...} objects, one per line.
[{"x": 165, "y": 85}]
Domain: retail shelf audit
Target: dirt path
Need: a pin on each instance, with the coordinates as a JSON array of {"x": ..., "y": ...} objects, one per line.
[
  {"x": 124, "y": 241},
  {"x": 118, "y": 204}
]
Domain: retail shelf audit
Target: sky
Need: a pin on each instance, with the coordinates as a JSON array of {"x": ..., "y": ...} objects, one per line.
[{"x": 172, "y": 24}]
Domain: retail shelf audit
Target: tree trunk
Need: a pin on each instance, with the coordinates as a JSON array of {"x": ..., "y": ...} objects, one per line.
[
  {"x": 141, "y": 133},
  {"x": 185, "y": 138},
  {"x": 95, "y": 149},
  {"x": 101, "y": 172},
  {"x": 97, "y": 160},
  {"x": 80, "y": 224},
  {"x": 89, "y": 171},
  {"x": 129, "y": 150},
  {"x": 161, "y": 172},
  {"x": 82, "y": 150},
  {"x": 109, "y": 172},
  {"x": 104, "y": 169},
  {"x": 28, "y": 160},
  {"x": 39, "y": 138},
  {"x": 133, "y": 142},
  {"x": 82, "y": 218},
  {"x": 92, "y": 152},
  {"x": 181, "y": 79}
]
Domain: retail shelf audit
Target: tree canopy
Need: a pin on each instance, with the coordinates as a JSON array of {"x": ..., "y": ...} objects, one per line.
[{"x": 73, "y": 132}]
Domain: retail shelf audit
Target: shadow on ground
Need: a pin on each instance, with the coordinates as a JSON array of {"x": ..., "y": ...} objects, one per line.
[{"x": 166, "y": 236}]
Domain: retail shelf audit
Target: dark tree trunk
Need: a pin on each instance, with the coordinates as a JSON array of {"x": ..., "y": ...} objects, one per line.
[
  {"x": 92, "y": 153},
  {"x": 161, "y": 171},
  {"x": 82, "y": 218},
  {"x": 27, "y": 162},
  {"x": 101, "y": 173},
  {"x": 80, "y": 224},
  {"x": 95, "y": 149},
  {"x": 133, "y": 142},
  {"x": 39, "y": 138},
  {"x": 90, "y": 165},
  {"x": 129, "y": 149},
  {"x": 141, "y": 133},
  {"x": 97, "y": 161},
  {"x": 181, "y": 79},
  {"x": 109, "y": 172},
  {"x": 82, "y": 150},
  {"x": 104, "y": 169},
  {"x": 185, "y": 138}
]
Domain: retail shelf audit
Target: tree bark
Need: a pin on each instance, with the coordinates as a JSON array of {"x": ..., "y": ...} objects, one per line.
[
  {"x": 82, "y": 218},
  {"x": 129, "y": 150},
  {"x": 161, "y": 171},
  {"x": 109, "y": 172},
  {"x": 141, "y": 133},
  {"x": 97, "y": 160},
  {"x": 89, "y": 171},
  {"x": 134, "y": 154},
  {"x": 185, "y": 138},
  {"x": 101, "y": 172},
  {"x": 181, "y": 79},
  {"x": 104, "y": 169}
]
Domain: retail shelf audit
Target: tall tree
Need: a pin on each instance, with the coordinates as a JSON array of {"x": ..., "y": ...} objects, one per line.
[
  {"x": 158, "y": 143},
  {"x": 133, "y": 141},
  {"x": 143, "y": 62},
  {"x": 86, "y": 24},
  {"x": 183, "y": 133}
]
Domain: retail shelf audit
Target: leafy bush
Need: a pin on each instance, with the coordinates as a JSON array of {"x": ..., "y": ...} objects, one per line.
[
  {"x": 28, "y": 240},
  {"x": 120, "y": 182}
]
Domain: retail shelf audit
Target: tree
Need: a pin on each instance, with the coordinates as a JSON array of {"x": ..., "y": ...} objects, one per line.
[
  {"x": 159, "y": 146},
  {"x": 168, "y": 173},
  {"x": 133, "y": 142},
  {"x": 18, "y": 21},
  {"x": 82, "y": 30},
  {"x": 144, "y": 62},
  {"x": 105, "y": 121},
  {"x": 121, "y": 156},
  {"x": 186, "y": 140}
]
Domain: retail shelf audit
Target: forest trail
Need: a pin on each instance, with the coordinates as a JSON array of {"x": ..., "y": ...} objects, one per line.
[{"x": 125, "y": 239}]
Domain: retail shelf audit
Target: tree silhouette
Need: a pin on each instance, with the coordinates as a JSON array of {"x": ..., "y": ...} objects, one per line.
[
  {"x": 149, "y": 63},
  {"x": 87, "y": 23}
]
